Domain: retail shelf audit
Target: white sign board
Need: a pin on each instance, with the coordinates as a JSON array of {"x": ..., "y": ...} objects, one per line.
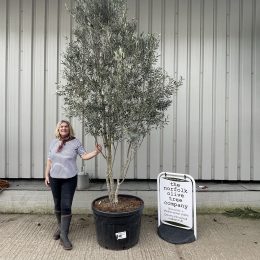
[{"x": 175, "y": 201}]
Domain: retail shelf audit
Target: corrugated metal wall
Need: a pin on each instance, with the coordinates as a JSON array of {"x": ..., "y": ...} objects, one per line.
[{"x": 214, "y": 129}]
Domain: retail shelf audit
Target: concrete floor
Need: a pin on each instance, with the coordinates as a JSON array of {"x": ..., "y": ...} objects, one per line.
[{"x": 29, "y": 236}]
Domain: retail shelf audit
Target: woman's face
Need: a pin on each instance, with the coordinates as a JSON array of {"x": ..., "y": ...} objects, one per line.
[{"x": 64, "y": 129}]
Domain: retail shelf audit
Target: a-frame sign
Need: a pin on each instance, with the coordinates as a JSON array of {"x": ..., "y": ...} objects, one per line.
[{"x": 176, "y": 194}]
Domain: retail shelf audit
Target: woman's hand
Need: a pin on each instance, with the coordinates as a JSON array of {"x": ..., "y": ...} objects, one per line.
[
  {"x": 87, "y": 156},
  {"x": 47, "y": 181},
  {"x": 98, "y": 148},
  {"x": 47, "y": 173}
]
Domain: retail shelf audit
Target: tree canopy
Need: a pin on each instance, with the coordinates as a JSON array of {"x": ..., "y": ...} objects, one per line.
[{"x": 112, "y": 79}]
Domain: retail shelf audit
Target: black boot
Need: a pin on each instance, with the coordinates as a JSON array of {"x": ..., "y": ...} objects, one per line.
[
  {"x": 56, "y": 235},
  {"x": 64, "y": 228}
]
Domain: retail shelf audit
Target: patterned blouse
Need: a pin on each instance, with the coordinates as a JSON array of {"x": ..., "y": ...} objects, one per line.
[{"x": 64, "y": 162}]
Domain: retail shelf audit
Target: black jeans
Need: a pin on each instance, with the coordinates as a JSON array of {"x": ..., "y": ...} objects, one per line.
[{"x": 63, "y": 192}]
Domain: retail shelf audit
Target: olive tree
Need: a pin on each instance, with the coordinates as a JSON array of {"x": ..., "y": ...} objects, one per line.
[{"x": 112, "y": 81}]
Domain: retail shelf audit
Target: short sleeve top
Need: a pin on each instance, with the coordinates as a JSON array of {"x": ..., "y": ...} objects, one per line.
[{"x": 63, "y": 164}]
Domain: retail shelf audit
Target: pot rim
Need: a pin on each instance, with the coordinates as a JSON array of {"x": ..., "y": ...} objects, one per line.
[{"x": 117, "y": 214}]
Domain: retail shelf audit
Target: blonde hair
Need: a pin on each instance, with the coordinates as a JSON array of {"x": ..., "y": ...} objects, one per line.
[{"x": 57, "y": 132}]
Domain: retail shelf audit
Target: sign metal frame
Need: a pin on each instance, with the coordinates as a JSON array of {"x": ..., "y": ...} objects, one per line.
[{"x": 176, "y": 177}]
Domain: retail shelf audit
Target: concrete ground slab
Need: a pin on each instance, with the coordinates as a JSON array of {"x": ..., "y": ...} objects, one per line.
[
  {"x": 133, "y": 185},
  {"x": 204, "y": 187},
  {"x": 252, "y": 186},
  {"x": 153, "y": 185},
  {"x": 29, "y": 236}
]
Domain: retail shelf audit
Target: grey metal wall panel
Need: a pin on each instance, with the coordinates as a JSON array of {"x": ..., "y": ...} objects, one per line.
[
  {"x": 51, "y": 114},
  {"x": 183, "y": 58},
  {"x": 255, "y": 162},
  {"x": 168, "y": 30},
  {"x": 246, "y": 87},
  {"x": 207, "y": 91},
  {"x": 38, "y": 90},
  {"x": 233, "y": 90},
  {"x": 13, "y": 81},
  {"x": 214, "y": 121},
  {"x": 25, "y": 95},
  {"x": 3, "y": 82},
  {"x": 219, "y": 88},
  {"x": 194, "y": 87}
]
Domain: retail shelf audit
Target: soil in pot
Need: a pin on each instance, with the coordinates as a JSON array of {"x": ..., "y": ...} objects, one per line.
[{"x": 125, "y": 204}]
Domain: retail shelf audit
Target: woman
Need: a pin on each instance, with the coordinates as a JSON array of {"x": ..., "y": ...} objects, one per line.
[{"x": 61, "y": 175}]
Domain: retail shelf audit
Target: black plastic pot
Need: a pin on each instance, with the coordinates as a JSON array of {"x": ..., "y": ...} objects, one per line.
[{"x": 117, "y": 230}]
